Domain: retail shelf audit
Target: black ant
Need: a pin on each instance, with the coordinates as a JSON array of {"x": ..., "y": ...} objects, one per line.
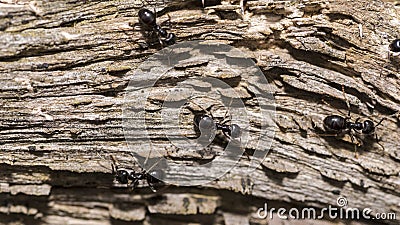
[
  {"x": 339, "y": 124},
  {"x": 132, "y": 178},
  {"x": 149, "y": 20},
  {"x": 207, "y": 124}
]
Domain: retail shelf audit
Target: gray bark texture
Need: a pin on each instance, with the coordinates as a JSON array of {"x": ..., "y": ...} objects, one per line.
[{"x": 65, "y": 68}]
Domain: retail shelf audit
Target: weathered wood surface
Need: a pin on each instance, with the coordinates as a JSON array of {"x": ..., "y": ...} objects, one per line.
[{"x": 65, "y": 66}]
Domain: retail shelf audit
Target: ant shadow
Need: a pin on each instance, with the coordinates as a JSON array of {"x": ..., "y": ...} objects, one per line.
[{"x": 336, "y": 141}]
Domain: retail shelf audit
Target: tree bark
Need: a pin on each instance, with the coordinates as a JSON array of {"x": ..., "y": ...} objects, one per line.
[{"x": 65, "y": 68}]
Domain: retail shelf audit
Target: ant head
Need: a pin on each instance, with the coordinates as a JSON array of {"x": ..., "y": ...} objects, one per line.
[
  {"x": 368, "y": 127},
  {"x": 122, "y": 176},
  {"x": 235, "y": 131}
]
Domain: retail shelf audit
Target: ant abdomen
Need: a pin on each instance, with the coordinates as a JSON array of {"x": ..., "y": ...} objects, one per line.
[
  {"x": 204, "y": 123},
  {"x": 335, "y": 123},
  {"x": 147, "y": 17}
]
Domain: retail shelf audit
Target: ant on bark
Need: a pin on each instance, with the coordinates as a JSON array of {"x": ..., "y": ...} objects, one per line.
[
  {"x": 343, "y": 125},
  {"x": 207, "y": 126},
  {"x": 149, "y": 21},
  {"x": 132, "y": 178}
]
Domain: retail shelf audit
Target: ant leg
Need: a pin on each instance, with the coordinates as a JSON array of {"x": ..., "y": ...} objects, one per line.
[
  {"x": 167, "y": 22},
  {"x": 377, "y": 141},
  {"x": 226, "y": 113},
  {"x": 114, "y": 165},
  {"x": 134, "y": 184},
  {"x": 355, "y": 145},
  {"x": 324, "y": 135},
  {"x": 114, "y": 169},
  {"x": 228, "y": 107},
  {"x": 247, "y": 155},
  {"x": 234, "y": 130},
  {"x": 227, "y": 116},
  {"x": 147, "y": 158},
  {"x": 151, "y": 186},
  {"x": 205, "y": 110},
  {"x": 376, "y": 135},
  {"x": 194, "y": 103},
  {"x": 380, "y": 122},
  {"x": 355, "y": 151},
  {"x": 169, "y": 38}
]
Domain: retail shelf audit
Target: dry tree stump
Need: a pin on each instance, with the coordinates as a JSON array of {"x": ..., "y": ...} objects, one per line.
[{"x": 65, "y": 67}]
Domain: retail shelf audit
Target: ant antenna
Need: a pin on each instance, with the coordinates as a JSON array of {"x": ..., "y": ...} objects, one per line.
[
  {"x": 347, "y": 101},
  {"x": 114, "y": 165},
  {"x": 201, "y": 107},
  {"x": 379, "y": 123},
  {"x": 323, "y": 100},
  {"x": 226, "y": 111},
  {"x": 376, "y": 135},
  {"x": 347, "y": 104}
]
